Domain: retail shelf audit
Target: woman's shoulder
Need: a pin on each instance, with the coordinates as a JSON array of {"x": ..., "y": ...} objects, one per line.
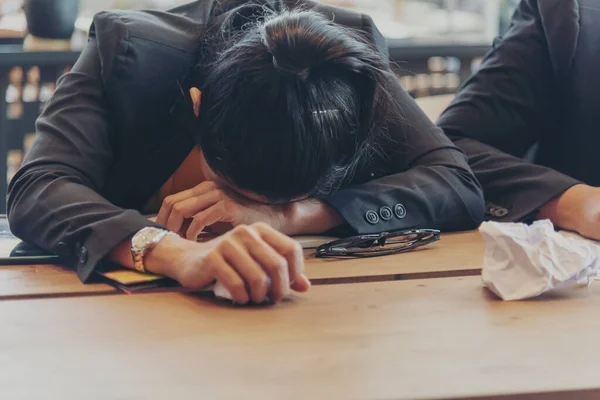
[
  {"x": 166, "y": 28},
  {"x": 140, "y": 44}
]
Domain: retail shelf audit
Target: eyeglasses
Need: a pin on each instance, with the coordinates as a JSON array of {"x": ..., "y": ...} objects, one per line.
[{"x": 378, "y": 244}]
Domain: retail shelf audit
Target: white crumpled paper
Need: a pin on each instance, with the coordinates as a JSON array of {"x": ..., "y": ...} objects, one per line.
[{"x": 523, "y": 261}]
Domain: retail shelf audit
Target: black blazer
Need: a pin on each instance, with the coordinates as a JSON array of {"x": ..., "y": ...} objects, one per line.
[
  {"x": 116, "y": 129},
  {"x": 539, "y": 85}
]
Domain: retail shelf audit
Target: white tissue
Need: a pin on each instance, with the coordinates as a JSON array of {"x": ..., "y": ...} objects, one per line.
[
  {"x": 523, "y": 261},
  {"x": 220, "y": 291}
]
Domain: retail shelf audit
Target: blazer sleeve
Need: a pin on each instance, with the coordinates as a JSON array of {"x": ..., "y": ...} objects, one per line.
[
  {"x": 54, "y": 201},
  {"x": 427, "y": 182},
  {"x": 511, "y": 103}
]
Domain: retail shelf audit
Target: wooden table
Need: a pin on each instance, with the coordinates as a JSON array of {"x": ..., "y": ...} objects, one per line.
[
  {"x": 456, "y": 254},
  {"x": 35, "y": 281},
  {"x": 433, "y": 338}
]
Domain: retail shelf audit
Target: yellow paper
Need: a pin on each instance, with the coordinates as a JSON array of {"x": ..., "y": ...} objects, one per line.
[{"x": 128, "y": 277}]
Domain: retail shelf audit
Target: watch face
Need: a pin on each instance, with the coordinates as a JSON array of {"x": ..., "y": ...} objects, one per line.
[
  {"x": 139, "y": 241},
  {"x": 143, "y": 238}
]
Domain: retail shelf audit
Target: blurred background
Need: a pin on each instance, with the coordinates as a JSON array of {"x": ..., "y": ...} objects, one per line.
[
  {"x": 434, "y": 46},
  {"x": 475, "y": 20},
  {"x": 471, "y": 20}
]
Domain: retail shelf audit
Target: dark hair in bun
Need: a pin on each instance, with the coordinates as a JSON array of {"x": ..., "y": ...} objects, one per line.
[{"x": 291, "y": 102}]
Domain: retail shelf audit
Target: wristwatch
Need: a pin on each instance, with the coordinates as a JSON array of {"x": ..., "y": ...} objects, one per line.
[{"x": 144, "y": 241}]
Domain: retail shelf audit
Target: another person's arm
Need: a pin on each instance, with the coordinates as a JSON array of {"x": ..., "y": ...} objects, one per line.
[
  {"x": 508, "y": 105},
  {"x": 577, "y": 209}
]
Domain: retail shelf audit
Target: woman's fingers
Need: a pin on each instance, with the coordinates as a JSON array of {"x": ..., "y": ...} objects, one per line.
[
  {"x": 264, "y": 266},
  {"x": 188, "y": 207},
  {"x": 291, "y": 250},
  {"x": 167, "y": 206},
  {"x": 228, "y": 277},
  {"x": 275, "y": 266},
  {"x": 255, "y": 277},
  {"x": 203, "y": 219},
  {"x": 251, "y": 262},
  {"x": 170, "y": 201}
]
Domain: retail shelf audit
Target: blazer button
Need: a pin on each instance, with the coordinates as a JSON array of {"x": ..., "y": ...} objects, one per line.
[
  {"x": 385, "y": 213},
  {"x": 400, "y": 211},
  {"x": 498, "y": 212},
  {"x": 62, "y": 249},
  {"x": 372, "y": 217},
  {"x": 83, "y": 255}
]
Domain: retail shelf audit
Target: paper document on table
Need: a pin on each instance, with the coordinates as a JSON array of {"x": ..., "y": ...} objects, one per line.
[
  {"x": 130, "y": 282},
  {"x": 131, "y": 277},
  {"x": 523, "y": 261}
]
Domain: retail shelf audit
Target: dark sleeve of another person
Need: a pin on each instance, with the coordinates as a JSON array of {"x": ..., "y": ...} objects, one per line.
[
  {"x": 426, "y": 182},
  {"x": 508, "y": 106},
  {"x": 54, "y": 200}
]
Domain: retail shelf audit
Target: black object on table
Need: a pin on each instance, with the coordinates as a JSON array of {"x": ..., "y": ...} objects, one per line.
[{"x": 15, "y": 252}]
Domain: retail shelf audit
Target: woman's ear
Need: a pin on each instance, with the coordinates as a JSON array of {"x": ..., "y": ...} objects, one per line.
[{"x": 196, "y": 96}]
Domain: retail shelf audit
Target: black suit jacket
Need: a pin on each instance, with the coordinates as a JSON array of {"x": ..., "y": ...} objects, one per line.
[
  {"x": 117, "y": 128},
  {"x": 539, "y": 85}
]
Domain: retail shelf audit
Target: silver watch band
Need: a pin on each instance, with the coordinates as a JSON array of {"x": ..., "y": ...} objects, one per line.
[{"x": 144, "y": 241}]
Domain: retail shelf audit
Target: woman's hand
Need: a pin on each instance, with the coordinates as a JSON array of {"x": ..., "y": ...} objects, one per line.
[
  {"x": 191, "y": 211},
  {"x": 208, "y": 204},
  {"x": 252, "y": 262}
]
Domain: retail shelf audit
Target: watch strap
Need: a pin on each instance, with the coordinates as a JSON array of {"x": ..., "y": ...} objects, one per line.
[{"x": 138, "y": 257}]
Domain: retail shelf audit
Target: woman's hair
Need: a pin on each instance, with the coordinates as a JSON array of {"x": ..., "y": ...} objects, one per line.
[{"x": 291, "y": 103}]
